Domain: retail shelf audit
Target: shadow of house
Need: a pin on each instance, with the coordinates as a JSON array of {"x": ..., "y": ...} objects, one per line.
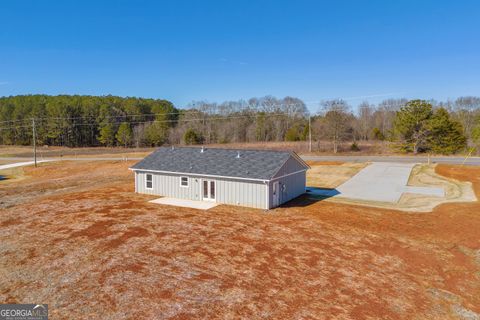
[
  {"x": 311, "y": 196},
  {"x": 322, "y": 193}
]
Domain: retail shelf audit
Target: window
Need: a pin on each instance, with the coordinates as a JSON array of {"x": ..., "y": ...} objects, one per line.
[
  {"x": 149, "y": 181},
  {"x": 205, "y": 189},
  {"x": 184, "y": 182},
  {"x": 212, "y": 189},
  {"x": 209, "y": 190}
]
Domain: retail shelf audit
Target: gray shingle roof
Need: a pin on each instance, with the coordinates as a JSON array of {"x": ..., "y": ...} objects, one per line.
[{"x": 252, "y": 164}]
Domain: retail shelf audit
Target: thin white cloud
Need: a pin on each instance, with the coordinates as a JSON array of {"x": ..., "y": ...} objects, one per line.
[
  {"x": 378, "y": 95},
  {"x": 2, "y": 83}
]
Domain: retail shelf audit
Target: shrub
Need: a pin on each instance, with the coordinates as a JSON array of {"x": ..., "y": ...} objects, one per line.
[
  {"x": 192, "y": 137},
  {"x": 377, "y": 134},
  {"x": 354, "y": 147}
]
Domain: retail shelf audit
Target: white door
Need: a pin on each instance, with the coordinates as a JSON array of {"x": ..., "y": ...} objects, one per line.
[
  {"x": 208, "y": 190},
  {"x": 276, "y": 194}
]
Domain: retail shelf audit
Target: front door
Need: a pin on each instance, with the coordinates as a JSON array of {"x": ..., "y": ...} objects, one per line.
[
  {"x": 209, "y": 190},
  {"x": 276, "y": 194}
]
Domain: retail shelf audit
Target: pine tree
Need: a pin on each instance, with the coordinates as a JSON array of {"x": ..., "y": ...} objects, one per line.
[
  {"x": 377, "y": 134},
  {"x": 292, "y": 134},
  {"x": 305, "y": 132},
  {"x": 411, "y": 123},
  {"x": 107, "y": 135},
  {"x": 476, "y": 134},
  {"x": 445, "y": 135},
  {"x": 191, "y": 137},
  {"x": 124, "y": 134},
  {"x": 156, "y": 134},
  {"x": 260, "y": 131}
]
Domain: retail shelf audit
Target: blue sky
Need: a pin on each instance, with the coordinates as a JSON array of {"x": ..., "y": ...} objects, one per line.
[{"x": 228, "y": 50}]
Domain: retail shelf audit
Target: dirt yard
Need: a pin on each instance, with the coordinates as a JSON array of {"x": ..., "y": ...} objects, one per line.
[{"x": 75, "y": 236}]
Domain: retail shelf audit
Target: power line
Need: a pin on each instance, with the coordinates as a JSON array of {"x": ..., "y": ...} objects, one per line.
[
  {"x": 180, "y": 112},
  {"x": 171, "y": 120},
  {"x": 187, "y": 120},
  {"x": 22, "y": 120},
  {"x": 163, "y": 114},
  {"x": 190, "y": 111},
  {"x": 10, "y": 128},
  {"x": 168, "y": 121}
]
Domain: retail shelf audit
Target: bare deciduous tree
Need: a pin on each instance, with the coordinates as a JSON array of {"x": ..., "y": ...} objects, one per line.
[
  {"x": 365, "y": 117},
  {"x": 466, "y": 110},
  {"x": 336, "y": 119},
  {"x": 385, "y": 114}
]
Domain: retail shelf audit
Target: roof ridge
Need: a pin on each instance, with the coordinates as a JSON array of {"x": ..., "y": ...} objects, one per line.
[{"x": 220, "y": 148}]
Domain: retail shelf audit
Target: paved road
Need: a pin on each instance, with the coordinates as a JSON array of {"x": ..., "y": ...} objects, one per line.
[
  {"x": 19, "y": 164},
  {"x": 70, "y": 159},
  {"x": 402, "y": 159}
]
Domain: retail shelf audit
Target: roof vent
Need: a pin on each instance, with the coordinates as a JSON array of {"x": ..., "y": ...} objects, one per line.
[
  {"x": 238, "y": 154},
  {"x": 202, "y": 150}
]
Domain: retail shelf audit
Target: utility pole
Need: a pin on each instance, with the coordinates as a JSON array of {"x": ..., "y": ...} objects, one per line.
[
  {"x": 309, "y": 133},
  {"x": 34, "y": 142}
]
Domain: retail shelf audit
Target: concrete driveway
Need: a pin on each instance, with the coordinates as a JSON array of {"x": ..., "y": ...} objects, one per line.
[
  {"x": 201, "y": 205},
  {"x": 380, "y": 181}
]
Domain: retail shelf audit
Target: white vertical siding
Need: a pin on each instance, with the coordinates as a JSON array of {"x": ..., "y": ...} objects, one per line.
[
  {"x": 136, "y": 183},
  {"x": 243, "y": 193},
  {"x": 295, "y": 186},
  {"x": 169, "y": 186},
  {"x": 229, "y": 191}
]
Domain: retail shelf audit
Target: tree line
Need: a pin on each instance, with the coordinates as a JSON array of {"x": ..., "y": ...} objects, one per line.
[
  {"x": 411, "y": 126},
  {"x": 80, "y": 121}
]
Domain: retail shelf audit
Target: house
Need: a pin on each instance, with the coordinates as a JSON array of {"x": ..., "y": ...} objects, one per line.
[{"x": 251, "y": 178}]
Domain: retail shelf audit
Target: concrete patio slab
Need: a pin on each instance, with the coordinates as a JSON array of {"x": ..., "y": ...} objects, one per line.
[
  {"x": 201, "y": 205},
  {"x": 380, "y": 181}
]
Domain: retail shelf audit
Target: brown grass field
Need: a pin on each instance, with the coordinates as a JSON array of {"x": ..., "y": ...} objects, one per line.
[
  {"x": 301, "y": 147},
  {"x": 74, "y": 235},
  {"x": 320, "y": 148}
]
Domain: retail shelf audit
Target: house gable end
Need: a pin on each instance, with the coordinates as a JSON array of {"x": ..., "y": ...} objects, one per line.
[{"x": 292, "y": 165}]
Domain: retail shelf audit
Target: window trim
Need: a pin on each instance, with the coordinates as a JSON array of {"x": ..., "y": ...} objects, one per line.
[
  {"x": 188, "y": 182},
  {"x": 146, "y": 181}
]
